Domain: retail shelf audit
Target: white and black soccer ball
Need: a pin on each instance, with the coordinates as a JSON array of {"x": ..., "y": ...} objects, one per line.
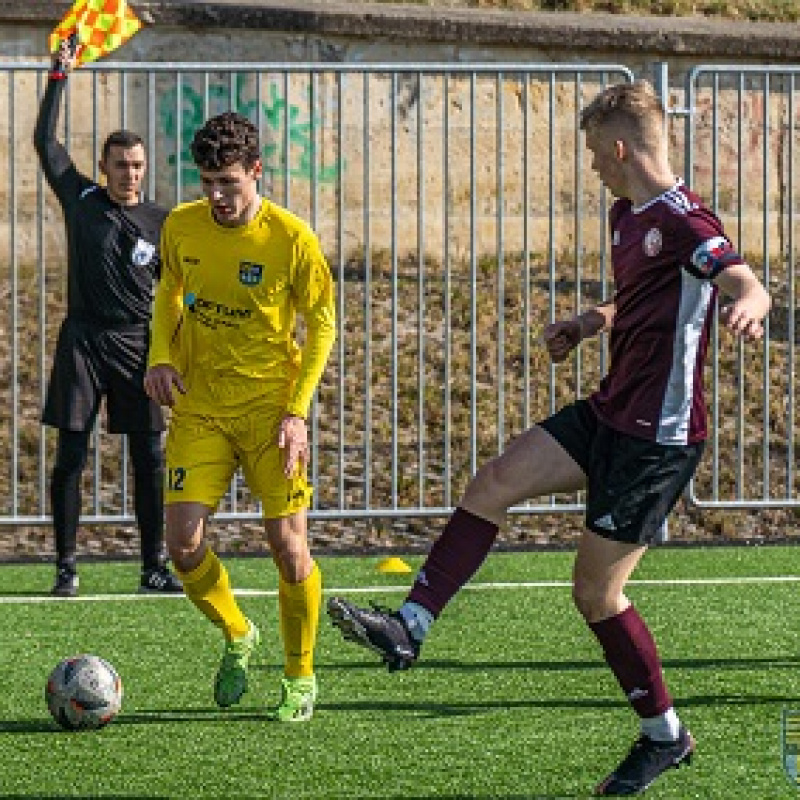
[{"x": 83, "y": 692}]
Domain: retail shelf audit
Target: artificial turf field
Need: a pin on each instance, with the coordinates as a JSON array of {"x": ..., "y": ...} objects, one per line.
[{"x": 510, "y": 700}]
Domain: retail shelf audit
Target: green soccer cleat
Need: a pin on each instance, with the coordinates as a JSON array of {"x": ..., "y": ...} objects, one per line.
[
  {"x": 297, "y": 700},
  {"x": 231, "y": 681}
]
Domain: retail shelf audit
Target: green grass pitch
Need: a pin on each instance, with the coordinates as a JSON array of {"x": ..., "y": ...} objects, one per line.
[{"x": 511, "y": 698}]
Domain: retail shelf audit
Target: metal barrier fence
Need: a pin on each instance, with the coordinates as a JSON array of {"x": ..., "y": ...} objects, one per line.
[
  {"x": 459, "y": 217},
  {"x": 742, "y": 154}
]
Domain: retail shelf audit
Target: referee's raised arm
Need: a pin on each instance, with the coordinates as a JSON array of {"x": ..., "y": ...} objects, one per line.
[{"x": 54, "y": 158}]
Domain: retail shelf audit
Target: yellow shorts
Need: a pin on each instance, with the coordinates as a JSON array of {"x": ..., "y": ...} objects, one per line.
[{"x": 203, "y": 453}]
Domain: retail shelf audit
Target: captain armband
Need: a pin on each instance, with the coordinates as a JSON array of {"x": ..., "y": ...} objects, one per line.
[{"x": 712, "y": 256}]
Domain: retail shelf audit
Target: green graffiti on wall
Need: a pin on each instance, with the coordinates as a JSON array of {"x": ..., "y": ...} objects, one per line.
[{"x": 289, "y": 146}]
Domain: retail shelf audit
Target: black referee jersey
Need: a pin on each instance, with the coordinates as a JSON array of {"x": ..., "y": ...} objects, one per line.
[
  {"x": 112, "y": 249},
  {"x": 112, "y": 262}
]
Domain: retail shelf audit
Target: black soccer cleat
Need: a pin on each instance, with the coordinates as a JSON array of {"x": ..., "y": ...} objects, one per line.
[
  {"x": 159, "y": 581},
  {"x": 66, "y": 584},
  {"x": 645, "y": 762},
  {"x": 377, "y": 629}
]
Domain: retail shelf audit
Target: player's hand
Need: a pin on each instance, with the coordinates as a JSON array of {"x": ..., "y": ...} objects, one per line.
[
  {"x": 293, "y": 440},
  {"x": 561, "y": 338},
  {"x": 738, "y": 318},
  {"x": 159, "y": 382}
]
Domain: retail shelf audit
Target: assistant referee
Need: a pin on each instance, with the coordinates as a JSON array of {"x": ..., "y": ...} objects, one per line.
[{"x": 112, "y": 262}]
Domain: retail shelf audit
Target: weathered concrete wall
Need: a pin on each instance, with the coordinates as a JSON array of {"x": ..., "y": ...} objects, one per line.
[
  {"x": 323, "y": 33},
  {"x": 382, "y": 25}
]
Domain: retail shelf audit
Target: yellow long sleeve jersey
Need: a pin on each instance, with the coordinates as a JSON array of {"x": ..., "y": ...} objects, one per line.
[{"x": 225, "y": 309}]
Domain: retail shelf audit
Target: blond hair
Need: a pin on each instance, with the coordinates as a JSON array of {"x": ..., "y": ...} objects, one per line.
[{"x": 632, "y": 107}]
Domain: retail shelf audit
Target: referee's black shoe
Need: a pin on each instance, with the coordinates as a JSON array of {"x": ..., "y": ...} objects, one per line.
[
  {"x": 159, "y": 581},
  {"x": 66, "y": 584},
  {"x": 645, "y": 762},
  {"x": 377, "y": 629}
]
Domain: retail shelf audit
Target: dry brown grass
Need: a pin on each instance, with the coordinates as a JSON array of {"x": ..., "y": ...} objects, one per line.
[
  {"x": 370, "y": 292},
  {"x": 739, "y": 453},
  {"x": 750, "y": 10}
]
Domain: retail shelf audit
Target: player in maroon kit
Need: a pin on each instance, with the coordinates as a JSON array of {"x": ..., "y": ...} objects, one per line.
[{"x": 633, "y": 445}]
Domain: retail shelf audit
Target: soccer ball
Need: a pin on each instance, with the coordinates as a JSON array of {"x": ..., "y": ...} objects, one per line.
[{"x": 83, "y": 692}]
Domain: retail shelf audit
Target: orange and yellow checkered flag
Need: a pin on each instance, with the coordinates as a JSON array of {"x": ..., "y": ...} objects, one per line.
[{"x": 100, "y": 26}]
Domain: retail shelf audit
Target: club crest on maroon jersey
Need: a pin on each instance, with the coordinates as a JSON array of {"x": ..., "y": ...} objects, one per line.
[{"x": 652, "y": 242}]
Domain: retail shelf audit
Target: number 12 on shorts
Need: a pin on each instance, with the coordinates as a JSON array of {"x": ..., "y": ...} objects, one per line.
[{"x": 175, "y": 479}]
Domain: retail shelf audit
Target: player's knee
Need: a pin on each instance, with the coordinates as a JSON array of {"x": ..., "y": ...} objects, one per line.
[
  {"x": 293, "y": 560},
  {"x": 71, "y": 453},
  {"x": 294, "y": 567},
  {"x": 146, "y": 452},
  {"x": 186, "y": 556},
  {"x": 184, "y": 541},
  {"x": 589, "y": 599},
  {"x": 486, "y": 493},
  {"x": 597, "y": 601}
]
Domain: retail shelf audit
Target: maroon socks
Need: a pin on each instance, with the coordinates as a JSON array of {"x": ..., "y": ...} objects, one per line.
[
  {"x": 454, "y": 558},
  {"x": 631, "y": 653}
]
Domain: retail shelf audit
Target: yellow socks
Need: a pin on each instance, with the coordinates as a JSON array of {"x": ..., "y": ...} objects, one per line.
[
  {"x": 298, "y": 605},
  {"x": 209, "y": 588}
]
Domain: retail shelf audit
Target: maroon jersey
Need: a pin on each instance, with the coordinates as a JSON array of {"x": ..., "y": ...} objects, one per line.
[{"x": 664, "y": 256}]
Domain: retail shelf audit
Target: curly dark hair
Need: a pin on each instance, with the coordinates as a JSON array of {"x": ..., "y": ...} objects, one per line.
[{"x": 224, "y": 140}]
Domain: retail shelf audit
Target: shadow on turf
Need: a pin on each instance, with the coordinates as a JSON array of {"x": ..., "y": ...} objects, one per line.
[
  {"x": 160, "y": 715},
  {"x": 211, "y": 714},
  {"x": 497, "y": 796},
  {"x": 769, "y": 662},
  {"x": 71, "y": 795},
  {"x": 433, "y": 709},
  {"x": 463, "y": 709},
  {"x": 416, "y": 796}
]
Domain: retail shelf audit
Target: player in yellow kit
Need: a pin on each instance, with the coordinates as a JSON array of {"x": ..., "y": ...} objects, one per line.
[{"x": 236, "y": 271}]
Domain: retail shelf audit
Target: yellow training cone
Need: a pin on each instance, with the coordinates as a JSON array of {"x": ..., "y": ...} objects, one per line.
[{"x": 393, "y": 564}]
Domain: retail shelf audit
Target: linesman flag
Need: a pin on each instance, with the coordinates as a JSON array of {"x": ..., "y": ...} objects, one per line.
[{"x": 99, "y": 26}]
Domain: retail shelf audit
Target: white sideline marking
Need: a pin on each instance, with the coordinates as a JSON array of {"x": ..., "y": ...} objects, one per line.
[{"x": 22, "y": 599}]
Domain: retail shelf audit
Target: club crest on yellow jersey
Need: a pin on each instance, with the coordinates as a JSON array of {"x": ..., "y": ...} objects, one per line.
[{"x": 250, "y": 274}]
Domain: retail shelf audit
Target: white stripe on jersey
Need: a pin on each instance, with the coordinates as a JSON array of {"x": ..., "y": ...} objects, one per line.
[
  {"x": 673, "y": 425},
  {"x": 673, "y": 197},
  {"x": 678, "y": 201}
]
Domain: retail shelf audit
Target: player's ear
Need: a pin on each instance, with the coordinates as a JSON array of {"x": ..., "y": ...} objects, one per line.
[
  {"x": 258, "y": 168},
  {"x": 620, "y": 150},
  {"x": 101, "y": 165}
]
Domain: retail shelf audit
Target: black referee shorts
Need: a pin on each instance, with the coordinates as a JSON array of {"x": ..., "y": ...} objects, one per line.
[
  {"x": 92, "y": 361},
  {"x": 632, "y": 483}
]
